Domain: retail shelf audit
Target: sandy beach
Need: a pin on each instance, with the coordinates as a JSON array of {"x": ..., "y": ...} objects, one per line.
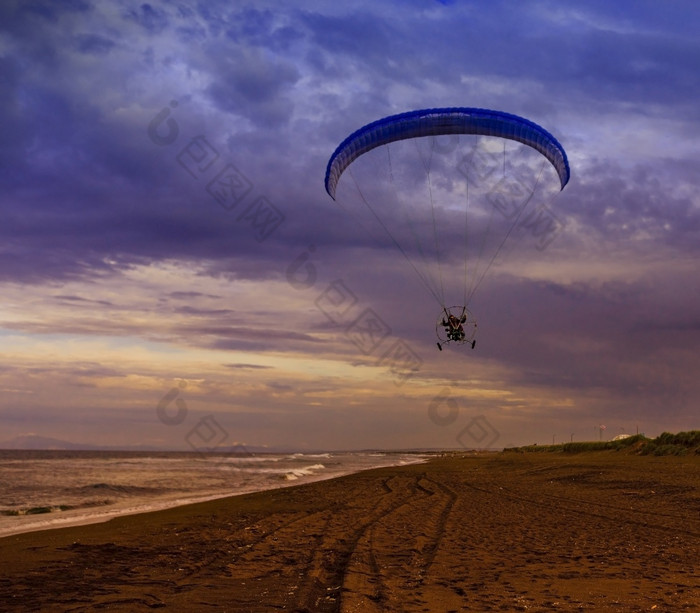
[{"x": 601, "y": 531}]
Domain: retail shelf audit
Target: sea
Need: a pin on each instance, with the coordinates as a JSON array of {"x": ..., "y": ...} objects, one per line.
[{"x": 40, "y": 490}]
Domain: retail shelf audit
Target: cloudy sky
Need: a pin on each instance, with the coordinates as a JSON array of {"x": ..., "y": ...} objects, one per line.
[{"x": 173, "y": 272}]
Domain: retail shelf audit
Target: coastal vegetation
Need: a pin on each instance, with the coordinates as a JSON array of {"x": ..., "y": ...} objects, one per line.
[{"x": 682, "y": 443}]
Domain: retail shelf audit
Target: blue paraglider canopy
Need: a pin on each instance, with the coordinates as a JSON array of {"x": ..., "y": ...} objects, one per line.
[{"x": 438, "y": 122}]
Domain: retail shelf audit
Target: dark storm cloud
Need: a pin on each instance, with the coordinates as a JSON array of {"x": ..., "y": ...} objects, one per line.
[
  {"x": 247, "y": 366},
  {"x": 690, "y": 325},
  {"x": 582, "y": 55},
  {"x": 93, "y": 44},
  {"x": 356, "y": 38},
  {"x": 88, "y": 185},
  {"x": 152, "y": 19},
  {"x": 644, "y": 209},
  {"x": 254, "y": 61},
  {"x": 256, "y": 339},
  {"x": 261, "y": 28},
  {"x": 184, "y": 295},
  {"x": 25, "y": 264},
  {"x": 575, "y": 61},
  {"x": 24, "y": 17},
  {"x": 189, "y": 310},
  {"x": 82, "y": 301},
  {"x": 249, "y": 84},
  {"x": 584, "y": 338},
  {"x": 15, "y": 124}
]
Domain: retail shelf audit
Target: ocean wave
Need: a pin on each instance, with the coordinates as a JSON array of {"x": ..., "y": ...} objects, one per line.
[
  {"x": 251, "y": 459},
  {"x": 118, "y": 489},
  {"x": 295, "y": 473},
  {"x": 54, "y": 508}
]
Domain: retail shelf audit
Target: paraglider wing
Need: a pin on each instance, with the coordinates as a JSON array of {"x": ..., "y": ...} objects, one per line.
[{"x": 437, "y": 122}]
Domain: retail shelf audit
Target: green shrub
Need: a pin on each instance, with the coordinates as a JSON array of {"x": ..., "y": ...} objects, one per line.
[{"x": 670, "y": 450}]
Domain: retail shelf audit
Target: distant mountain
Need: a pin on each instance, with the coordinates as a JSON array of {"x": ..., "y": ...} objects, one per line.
[
  {"x": 32, "y": 441},
  {"x": 35, "y": 442}
]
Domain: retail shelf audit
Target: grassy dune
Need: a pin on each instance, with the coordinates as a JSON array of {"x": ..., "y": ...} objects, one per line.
[{"x": 683, "y": 443}]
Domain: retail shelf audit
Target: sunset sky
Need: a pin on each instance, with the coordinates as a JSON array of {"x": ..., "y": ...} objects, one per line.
[{"x": 141, "y": 306}]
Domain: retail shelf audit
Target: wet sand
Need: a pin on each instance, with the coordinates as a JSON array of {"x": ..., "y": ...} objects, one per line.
[{"x": 493, "y": 532}]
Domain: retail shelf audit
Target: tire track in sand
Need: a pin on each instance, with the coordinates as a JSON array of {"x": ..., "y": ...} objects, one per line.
[
  {"x": 301, "y": 562},
  {"x": 394, "y": 555},
  {"x": 321, "y": 590}
]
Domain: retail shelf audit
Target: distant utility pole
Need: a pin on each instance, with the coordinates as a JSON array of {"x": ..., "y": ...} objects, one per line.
[{"x": 572, "y": 437}]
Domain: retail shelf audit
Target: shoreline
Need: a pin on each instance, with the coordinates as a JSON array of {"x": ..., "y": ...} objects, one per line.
[
  {"x": 503, "y": 532},
  {"x": 85, "y": 516}
]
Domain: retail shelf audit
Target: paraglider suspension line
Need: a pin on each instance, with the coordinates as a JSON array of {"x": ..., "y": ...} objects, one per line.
[
  {"x": 396, "y": 243},
  {"x": 510, "y": 231}
]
